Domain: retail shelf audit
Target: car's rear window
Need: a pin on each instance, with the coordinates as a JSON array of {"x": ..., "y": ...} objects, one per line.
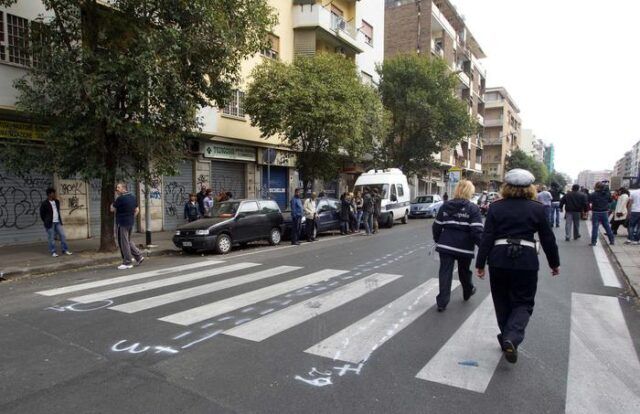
[{"x": 424, "y": 199}]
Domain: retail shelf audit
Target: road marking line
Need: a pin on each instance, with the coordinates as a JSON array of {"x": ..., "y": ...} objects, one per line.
[
  {"x": 474, "y": 340},
  {"x": 607, "y": 274},
  {"x": 280, "y": 321},
  {"x": 142, "y": 287},
  {"x": 128, "y": 278},
  {"x": 358, "y": 341},
  {"x": 171, "y": 297},
  {"x": 603, "y": 364},
  {"x": 210, "y": 310}
]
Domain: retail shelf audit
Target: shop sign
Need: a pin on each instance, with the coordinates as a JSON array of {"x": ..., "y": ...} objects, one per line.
[
  {"x": 454, "y": 175},
  {"x": 281, "y": 158},
  {"x": 229, "y": 152},
  {"x": 20, "y": 130}
]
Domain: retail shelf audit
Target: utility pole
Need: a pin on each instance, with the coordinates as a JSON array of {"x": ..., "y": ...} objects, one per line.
[{"x": 419, "y": 7}]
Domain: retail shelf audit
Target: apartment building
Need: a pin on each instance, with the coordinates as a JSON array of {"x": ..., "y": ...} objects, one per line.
[
  {"x": 588, "y": 178},
  {"x": 628, "y": 166},
  {"x": 502, "y": 133},
  {"x": 227, "y": 155},
  {"x": 435, "y": 29},
  {"x": 549, "y": 157}
]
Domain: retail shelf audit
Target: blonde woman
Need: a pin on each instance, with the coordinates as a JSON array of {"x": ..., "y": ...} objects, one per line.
[
  {"x": 456, "y": 230},
  {"x": 509, "y": 246}
]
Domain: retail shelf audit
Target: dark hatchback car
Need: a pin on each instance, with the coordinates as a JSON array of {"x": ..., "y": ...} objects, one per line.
[
  {"x": 232, "y": 222},
  {"x": 328, "y": 218}
]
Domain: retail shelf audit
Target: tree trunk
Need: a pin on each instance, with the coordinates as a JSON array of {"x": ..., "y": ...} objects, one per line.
[{"x": 107, "y": 237}]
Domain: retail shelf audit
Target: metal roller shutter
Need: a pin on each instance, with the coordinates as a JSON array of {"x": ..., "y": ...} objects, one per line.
[
  {"x": 279, "y": 185},
  {"x": 20, "y": 199},
  {"x": 95, "y": 213},
  {"x": 229, "y": 176},
  {"x": 176, "y": 191}
]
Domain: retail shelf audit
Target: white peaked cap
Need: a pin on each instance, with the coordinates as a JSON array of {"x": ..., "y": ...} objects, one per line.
[{"x": 519, "y": 177}]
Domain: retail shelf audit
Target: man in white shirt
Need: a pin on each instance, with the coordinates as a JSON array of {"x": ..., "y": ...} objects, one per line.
[
  {"x": 52, "y": 219},
  {"x": 634, "y": 217}
]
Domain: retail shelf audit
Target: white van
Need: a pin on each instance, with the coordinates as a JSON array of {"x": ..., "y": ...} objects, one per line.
[{"x": 393, "y": 188}]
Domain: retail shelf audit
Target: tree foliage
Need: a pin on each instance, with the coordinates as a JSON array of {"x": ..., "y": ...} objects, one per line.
[
  {"x": 558, "y": 178},
  {"x": 425, "y": 114},
  {"x": 520, "y": 159},
  {"x": 321, "y": 109},
  {"x": 119, "y": 87}
]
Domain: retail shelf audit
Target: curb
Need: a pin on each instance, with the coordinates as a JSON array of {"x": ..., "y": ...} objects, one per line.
[{"x": 633, "y": 285}]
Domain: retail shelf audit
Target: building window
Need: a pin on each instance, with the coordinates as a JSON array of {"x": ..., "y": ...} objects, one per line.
[
  {"x": 235, "y": 107},
  {"x": 18, "y": 39},
  {"x": 367, "y": 31},
  {"x": 273, "y": 51}
]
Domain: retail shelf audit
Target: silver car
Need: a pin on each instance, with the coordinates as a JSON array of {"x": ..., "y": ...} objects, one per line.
[{"x": 425, "y": 206}]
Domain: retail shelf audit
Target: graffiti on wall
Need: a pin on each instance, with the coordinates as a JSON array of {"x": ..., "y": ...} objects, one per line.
[
  {"x": 20, "y": 199},
  {"x": 155, "y": 188},
  {"x": 175, "y": 196},
  {"x": 223, "y": 184}
]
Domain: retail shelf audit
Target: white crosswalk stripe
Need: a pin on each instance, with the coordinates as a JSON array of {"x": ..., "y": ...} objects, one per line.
[
  {"x": 128, "y": 278},
  {"x": 155, "y": 301},
  {"x": 358, "y": 341},
  {"x": 280, "y": 321},
  {"x": 127, "y": 290}
]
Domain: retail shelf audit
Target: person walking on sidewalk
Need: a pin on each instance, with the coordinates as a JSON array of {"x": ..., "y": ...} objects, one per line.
[
  {"x": 574, "y": 203},
  {"x": 358, "y": 201},
  {"x": 297, "y": 211},
  {"x": 509, "y": 246},
  {"x": 367, "y": 212},
  {"x": 545, "y": 198},
  {"x": 345, "y": 208},
  {"x": 456, "y": 230},
  {"x": 126, "y": 209},
  {"x": 192, "y": 209},
  {"x": 621, "y": 212},
  {"x": 556, "y": 196},
  {"x": 599, "y": 200},
  {"x": 52, "y": 219},
  {"x": 634, "y": 218},
  {"x": 310, "y": 215}
]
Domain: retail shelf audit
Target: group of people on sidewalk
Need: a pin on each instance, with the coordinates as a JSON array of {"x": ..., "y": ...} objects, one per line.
[
  {"x": 201, "y": 204},
  {"x": 358, "y": 210}
]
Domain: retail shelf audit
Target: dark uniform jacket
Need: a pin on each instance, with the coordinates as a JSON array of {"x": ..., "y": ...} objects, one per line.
[
  {"x": 457, "y": 228},
  {"x": 600, "y": 200},
  {"x": 46, "y": 213},
  {"x": 575, "y": 201},
  {"x": 345, "y": 210},
  {"x": 516, "y": 218}
]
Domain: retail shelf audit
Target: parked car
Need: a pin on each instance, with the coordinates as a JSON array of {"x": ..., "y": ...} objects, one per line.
[
  {"x": 425, "y": 206},
  {"x": 328, "y": 218},
  {"x": 232, "y": 222}
]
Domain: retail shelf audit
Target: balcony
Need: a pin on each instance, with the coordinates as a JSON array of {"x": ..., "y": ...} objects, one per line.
[
  {"x": 314, "y": 16},
  {"x": 478, "y": 166},
  {"x": 436, "y": 48},
  {"x": 480, "y": 119},
  {"x": 494, "y": 122},
  {"x": 440, "y": 22},
  {"x": 494, "y": 104},
  {"x": 464, "y": 78}
]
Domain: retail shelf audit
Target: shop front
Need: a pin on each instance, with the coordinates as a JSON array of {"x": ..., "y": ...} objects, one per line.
[
  {"x": 276, "y": 167},
  {"x": 230, "y": 168}
]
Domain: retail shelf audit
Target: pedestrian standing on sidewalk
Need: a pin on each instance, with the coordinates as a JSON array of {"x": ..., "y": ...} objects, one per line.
[
  {"x": 621, "y": 212},
  {"x": 126, "y": 209},
  {"x": 200, "y": 199},
  {"x": 445, "y": 197},
  {"x": 544, "y": 197},
  {"x": 509, "y": 246},
  {"x": 367, "y": 211},
  {"x": 345, "y": 208},
  {"x": 358, "y": 201},
  {"x": 208, "y": 203},
  {"x": 52, "y": 219},
  {"x": 297, "y": 211},
  {"x": 192, "y": 209},
  {"x": 634, "y": 218},
  {"x": 574, "y": 203},
  {"x": 377, "y": 208},
  {"x": 556, "y": 196},
  {"x": 600, "y": 200},
  {"x": 457, "y": 229},
  {"x": 310, "y": 215}
]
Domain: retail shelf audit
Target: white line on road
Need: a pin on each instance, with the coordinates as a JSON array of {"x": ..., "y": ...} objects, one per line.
[
  {"x": 474, "y": 341},
  {"x": 282, "y": 320},
  {"x": 171, "y": 297},
  {"x": 603, "y": 365},
  {"x": 214, "y": 309},
  {"x": 607, "y": 273},
  {"x": 141, "y": 287},
  {"x": 128, "y": 278},
  {"x": 358, "y": 341}
]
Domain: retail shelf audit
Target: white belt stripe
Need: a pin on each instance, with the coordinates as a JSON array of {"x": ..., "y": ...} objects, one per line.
[
  {"x": 460, "y": 223},
  {"x": 455, "y": 249}
]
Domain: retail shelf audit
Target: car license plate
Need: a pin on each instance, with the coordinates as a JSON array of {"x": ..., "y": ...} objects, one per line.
[{"x": 186, "y": 244}]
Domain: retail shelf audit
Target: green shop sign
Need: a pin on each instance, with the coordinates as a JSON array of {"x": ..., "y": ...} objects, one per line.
[{"x": 229, "y": 152}]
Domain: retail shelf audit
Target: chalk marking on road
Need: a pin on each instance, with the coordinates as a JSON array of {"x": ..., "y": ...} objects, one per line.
[
  {"x": 207, "y": 325},
  {"x": 132, "y": 349},
  {"x": 204, "y": 338},
  {"x": 182, "y": 335},
  {"x": 607, "y": 274},
  {"x": 79, "y": 307},
  {"x": 156, "y": 284},
  {"x": 366, "y": 335},
  {"x": 211, "y": 310},
  {"x": 603, "y": 364},
  {"x": 128, "y": 278},
  {"x": 285, "y": 319},
  {"x": 474, "y": 340}
]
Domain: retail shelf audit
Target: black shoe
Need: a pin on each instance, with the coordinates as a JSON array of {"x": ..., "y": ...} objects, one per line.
[
  {"x": 441, "y": 308},
  {"x": 510, "y": 351},
  {"x": 466, "y": 296},
  {"x": 592, "y": 244},
  {"x": 295, "y": 244},
  {"x": 577, "y": 237},
  {"x": 500, "y": 342},
  {"x": 567, "y": 239}
]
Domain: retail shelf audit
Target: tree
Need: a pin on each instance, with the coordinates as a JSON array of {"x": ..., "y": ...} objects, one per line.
[
  {"x": 520, "y": 159},
  {"x": 558, "y": 178},
  {"x": 119, "y": 87},
  {"x": 319, "y": 106},
  {"x": 426, "y": 116}
]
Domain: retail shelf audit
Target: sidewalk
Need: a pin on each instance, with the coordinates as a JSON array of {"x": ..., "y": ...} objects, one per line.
[
  {"x": 626, "y": 255},
  {"x": 30, "y": 259}
]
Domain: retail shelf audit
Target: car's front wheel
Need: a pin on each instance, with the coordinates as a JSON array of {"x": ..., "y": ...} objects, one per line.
[
  {"x": 223, "y": 244},
  {"x": 275, "y": 237},
  {"x": 390, "y": 220}
]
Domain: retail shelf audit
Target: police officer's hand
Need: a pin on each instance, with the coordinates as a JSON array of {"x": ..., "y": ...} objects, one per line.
[
  {"x": 480, "y": 273},
  {"x": 555, "y": 271}
]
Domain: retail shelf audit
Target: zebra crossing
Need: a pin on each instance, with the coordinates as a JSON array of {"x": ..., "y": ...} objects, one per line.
[{"x": 599, "y": 335}]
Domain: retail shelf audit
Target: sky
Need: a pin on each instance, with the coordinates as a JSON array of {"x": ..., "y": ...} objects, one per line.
[{"x": 571, "y": 66}]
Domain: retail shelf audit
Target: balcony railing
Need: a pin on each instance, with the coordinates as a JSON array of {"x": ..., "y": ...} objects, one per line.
[
  {"x": 480, "y": 119},
  {"x": 338, "y": 23},
  {"x": 314, "y": 15},
  {"x": 493, "y": 122}
]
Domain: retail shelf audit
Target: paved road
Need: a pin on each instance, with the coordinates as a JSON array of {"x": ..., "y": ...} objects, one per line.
[{"x": 344, "y": 325}]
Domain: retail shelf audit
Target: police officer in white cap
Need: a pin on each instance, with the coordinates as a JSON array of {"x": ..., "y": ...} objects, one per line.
[{"x": 509, "y": 247}]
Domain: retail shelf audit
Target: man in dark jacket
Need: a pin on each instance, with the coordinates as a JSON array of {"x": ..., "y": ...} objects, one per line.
[
  {"x": 377, "y": 208},
  {"x": 200, "y": 199},
  {"x": 297, "y": 211},
  {"x": 367, "y": 210},
  {"x": 556, "y": 196},
  {"x": 574, "y": 204},
  {"x": 52, "y": 219},
  {"x": 600, "y": 200}
]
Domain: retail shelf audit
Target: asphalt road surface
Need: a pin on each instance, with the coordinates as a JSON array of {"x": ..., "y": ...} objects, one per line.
[{"x": 343, "y": 325}]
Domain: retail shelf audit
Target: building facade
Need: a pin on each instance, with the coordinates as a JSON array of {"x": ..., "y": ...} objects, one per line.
[
  {"x": 627, "y": 168},
  {"x": 549, "y": 157},
  {"x": 502, "y": 133},
  {"x": 588, "y": 178},
  {"x": 435, "y": 29}
]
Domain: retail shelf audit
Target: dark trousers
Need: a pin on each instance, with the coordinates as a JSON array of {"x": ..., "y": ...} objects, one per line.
[
  {"x": 296, "y": 224},
  {"x": 309, "y": 225},
  {"x": 513, "y": 293},
  {"x": 615, "y": 225},
  {"x": 344, "y": 226},
  {"x": 597, "y": 218},
  {"x": 445, "y": 276}
]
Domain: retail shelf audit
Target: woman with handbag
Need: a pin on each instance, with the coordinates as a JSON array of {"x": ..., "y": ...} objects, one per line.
[{"x": 621, "y": 212}]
